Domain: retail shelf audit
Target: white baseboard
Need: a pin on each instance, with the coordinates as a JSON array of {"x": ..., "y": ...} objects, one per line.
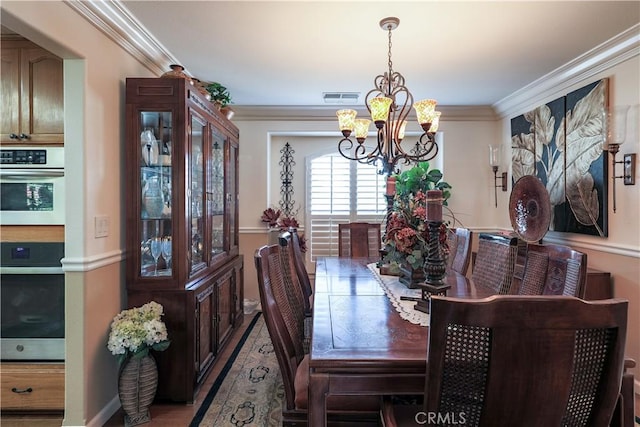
[{"x": 106, "y": 413}]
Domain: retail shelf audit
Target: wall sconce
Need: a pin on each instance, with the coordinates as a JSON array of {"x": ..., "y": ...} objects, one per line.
[
  {"x": 494, "y": 162},
  {"x": 616, "y": 135}
]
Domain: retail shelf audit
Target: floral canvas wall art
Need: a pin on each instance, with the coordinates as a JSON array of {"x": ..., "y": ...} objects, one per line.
[{"x": 561, "y": 143}]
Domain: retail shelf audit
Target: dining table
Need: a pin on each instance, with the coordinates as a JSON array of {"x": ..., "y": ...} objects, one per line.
[{"x": 363, "y": 342}]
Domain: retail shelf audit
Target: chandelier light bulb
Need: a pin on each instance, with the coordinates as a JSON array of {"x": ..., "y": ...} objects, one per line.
[{"x": 346, "y": 121}]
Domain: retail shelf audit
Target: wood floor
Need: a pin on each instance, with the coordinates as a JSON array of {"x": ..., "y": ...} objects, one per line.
[{"x": 166, "y": 415}]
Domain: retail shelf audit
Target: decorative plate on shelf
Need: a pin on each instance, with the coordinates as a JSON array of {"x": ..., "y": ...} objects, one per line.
[{"x": 529, "y": 209}]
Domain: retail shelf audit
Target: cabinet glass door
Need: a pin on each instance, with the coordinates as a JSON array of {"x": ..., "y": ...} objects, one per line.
[
  {"x": 216, "y": 192},
  {"x": 232, "y": 209},
  {"x": 195, "y": 195},
  {"x": 156, "y": 240}
]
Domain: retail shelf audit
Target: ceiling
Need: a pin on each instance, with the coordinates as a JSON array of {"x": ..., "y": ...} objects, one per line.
[{"x": 287, "y": 53}]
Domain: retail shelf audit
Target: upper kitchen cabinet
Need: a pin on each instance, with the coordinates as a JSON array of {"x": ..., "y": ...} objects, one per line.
[{"x": 31, "y": 94}]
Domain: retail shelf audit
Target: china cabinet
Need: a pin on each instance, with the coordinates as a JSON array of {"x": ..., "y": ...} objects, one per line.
[
  {"x": 31, "y": 94},
  {"x": 182, "y": 225}
]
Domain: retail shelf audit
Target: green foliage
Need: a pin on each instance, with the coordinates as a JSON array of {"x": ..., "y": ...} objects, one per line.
[
  {"x": 407, "y": 234},
  {"x": 219, "y": 93},
  {"x": 419, "y": 177}
]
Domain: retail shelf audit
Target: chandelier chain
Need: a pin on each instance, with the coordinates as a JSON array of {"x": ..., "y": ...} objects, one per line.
[{"x": 390, "y": 62}]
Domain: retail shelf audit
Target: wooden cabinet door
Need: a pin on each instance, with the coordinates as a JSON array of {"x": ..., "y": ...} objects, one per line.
[
  {"x": 10, "y": 94},
  {"x": 224, "y": 291},
  {"x": 205, "y": 344},
  {"x": 42, "y": 117},
  {"x": 32, "y": 94},
  {"x": 238, "y": 295},
  {"x": 232, "y": 198}
]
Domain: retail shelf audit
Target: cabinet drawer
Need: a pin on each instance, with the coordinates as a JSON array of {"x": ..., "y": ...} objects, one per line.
[{"x": 45, "y": 381}]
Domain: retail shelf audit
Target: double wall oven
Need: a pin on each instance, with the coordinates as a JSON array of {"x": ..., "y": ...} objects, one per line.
[{"x": 32, "y": 283}]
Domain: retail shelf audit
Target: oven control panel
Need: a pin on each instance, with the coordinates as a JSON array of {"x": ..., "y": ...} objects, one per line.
[{"x": 23, "y": 157}]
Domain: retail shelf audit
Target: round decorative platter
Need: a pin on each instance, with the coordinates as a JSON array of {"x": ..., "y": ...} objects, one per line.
[{"x": 529, "y": 209}]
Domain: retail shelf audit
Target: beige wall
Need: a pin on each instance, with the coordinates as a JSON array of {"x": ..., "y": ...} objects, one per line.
[{"x": 94, "y": 72}]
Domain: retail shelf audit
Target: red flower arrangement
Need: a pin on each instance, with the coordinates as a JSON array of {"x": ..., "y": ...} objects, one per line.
[
  {"x": 275, "y": 219},
  {"x": 407, "y": 234}
]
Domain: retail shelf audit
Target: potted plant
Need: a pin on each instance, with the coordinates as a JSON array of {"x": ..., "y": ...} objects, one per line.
[
  {"x": 220, "y": 96},
  {"x": 407, "y": 235}
]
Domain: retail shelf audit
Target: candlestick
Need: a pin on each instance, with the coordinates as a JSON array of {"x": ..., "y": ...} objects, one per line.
[
  {"x": 391, "y": 186},
  {"x": 434, "y": 205}
]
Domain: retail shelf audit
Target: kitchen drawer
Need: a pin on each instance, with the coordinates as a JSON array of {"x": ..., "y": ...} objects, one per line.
[{"x": 45, "y": 381}]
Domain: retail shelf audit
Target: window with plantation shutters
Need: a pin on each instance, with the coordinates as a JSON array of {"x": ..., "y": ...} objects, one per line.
[{"x": 340, "y": 191}]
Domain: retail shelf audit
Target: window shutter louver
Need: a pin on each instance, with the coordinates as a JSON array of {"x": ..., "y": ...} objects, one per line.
[{"x": 341, "y": 191}]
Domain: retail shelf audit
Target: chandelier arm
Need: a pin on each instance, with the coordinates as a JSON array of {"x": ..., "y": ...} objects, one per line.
[
  {"x": 345, "y": 146},
  {"x": 429, "y": 148}
]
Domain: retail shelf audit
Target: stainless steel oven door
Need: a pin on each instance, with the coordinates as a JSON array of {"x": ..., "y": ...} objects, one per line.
[
  {"x": 32, "y": 196},
  {"x": 32, "y": 302}
]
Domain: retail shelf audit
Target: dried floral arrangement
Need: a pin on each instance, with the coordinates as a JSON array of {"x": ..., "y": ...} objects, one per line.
[{"x": 275, "y": 218}]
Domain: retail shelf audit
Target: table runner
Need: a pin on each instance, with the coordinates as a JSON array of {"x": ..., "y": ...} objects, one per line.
[{"x": 394, "y": 290}]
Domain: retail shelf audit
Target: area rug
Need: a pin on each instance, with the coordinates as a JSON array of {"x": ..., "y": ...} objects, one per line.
[{"x": 249, "y": 390}]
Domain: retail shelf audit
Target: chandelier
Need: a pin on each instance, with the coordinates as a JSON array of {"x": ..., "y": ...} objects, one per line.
[{"x": 389, "y": 104}]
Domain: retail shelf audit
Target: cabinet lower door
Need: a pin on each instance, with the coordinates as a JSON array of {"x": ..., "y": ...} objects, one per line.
[
  {"x": 225, "y": 306},
  {"x": 205, "y": 344}
]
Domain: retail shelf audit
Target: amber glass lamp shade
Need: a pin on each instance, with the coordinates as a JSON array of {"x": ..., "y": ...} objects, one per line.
[
  {"x": 400, "y": 129},
  {"x": 435, "y": 122},
  {"x": 380, "y": 106},
  {"x": 362, "y": 129},
  {"x": 424, "y": 112},
  {"x": 346, "y": 121}
]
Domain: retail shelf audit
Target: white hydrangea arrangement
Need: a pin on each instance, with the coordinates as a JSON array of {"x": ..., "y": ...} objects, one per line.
[{"x": 137, "y": 330}]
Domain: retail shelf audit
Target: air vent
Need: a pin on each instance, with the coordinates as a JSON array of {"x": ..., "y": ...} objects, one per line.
[{"x": 340, "y": 97}]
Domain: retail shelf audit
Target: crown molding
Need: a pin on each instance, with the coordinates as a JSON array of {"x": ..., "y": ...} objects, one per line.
[
  {"x": 113, "y": 19},
  {"x": 116, "y": 22},
  {"x": 614, "y": 51},
  {"x": 328, "y": 113}
]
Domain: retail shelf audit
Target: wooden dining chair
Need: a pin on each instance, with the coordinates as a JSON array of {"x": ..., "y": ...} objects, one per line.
[
  {"x": 359, "y": 239},
  {"x": 553, "y": 270},
  {"x": 287, "y": 339},
  {"x": 511, "y": 360},
  {"x": 459, "y": 240},
  {"x": 291, "y": 242},
  {"x": 495, "y": 262}
]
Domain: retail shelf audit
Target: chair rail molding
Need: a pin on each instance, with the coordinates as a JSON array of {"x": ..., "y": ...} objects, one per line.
[
  {"x": 602, "y": 246},
  {"x": 93, "y": 262}
]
